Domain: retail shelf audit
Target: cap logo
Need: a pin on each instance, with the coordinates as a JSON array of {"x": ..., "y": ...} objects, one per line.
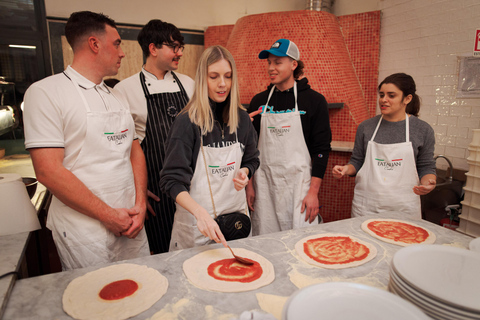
[{"x": 275, "y": 45}]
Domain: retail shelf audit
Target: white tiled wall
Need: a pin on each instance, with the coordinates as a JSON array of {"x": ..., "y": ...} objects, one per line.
[{"x": 423, "y": 38}]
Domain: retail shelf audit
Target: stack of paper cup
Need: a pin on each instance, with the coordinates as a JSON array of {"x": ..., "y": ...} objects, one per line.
[
  {"x": 17, "y": 213},
  {"x": 470, "y": 217}
]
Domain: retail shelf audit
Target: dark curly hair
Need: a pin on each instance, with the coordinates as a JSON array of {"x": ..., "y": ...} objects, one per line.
[
  {"x": 298, "y": 72},
  {"x": 158, "y": 32},
  {"x": 406, "y": 84}
]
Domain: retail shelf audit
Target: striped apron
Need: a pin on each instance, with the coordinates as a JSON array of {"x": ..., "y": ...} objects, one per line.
[{"x": 162, "y": 109}]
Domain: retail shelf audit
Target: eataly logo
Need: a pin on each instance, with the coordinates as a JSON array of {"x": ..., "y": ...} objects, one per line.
[{"x": 389, "y": 165}]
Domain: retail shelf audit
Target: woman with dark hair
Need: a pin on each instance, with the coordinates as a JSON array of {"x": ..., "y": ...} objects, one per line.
[{"x": 393, "y": 153}]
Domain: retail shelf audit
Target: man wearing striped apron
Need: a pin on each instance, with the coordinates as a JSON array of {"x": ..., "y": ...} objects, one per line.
[{"x": 156, "y": 95}]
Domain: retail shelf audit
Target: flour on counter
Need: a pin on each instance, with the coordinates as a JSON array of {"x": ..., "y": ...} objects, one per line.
[
  {"x": 301, "y": 280},
  {"x": 456, "y": 244},
  {"x": 182, "y": 309},
  {"x": 213, "y": 314},
  {"x": 271, "y": 303},
  {"x": 171, "y": 311}
]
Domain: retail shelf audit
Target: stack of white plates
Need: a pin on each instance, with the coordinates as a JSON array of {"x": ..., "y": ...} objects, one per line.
[
  {"x": 442, "y": 281},
  {"x": 346, "y": 301}
]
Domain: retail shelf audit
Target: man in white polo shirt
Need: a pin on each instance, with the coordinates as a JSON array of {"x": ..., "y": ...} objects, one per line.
[
  {"x": 80, "y": 135},
  {"x": 156, "y": 95}
]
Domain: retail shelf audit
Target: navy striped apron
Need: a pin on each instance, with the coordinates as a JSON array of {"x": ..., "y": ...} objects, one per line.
[{"x": 162, "y": 109}]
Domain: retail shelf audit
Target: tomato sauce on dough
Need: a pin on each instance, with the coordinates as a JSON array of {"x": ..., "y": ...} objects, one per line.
[
  {"x": 398, "y": 231},
  {"x": 232, "y": 270},
  {"x": 118, "y": 290},
  {"x": 335, "y": 250}
]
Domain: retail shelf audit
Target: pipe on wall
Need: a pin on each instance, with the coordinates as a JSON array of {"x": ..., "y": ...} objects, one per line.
[{"x": 320, "y": 5}]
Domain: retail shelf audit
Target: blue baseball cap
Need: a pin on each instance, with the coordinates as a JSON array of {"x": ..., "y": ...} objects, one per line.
[{"x": 282, "y": 48}]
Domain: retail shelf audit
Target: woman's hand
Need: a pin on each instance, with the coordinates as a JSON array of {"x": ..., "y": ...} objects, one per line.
[
  {"x": 241, "y": 179},
  {"x": 254, "y": 113},
  {"x": 341, "y": 171},
  {"x": 250, "y": 191},
  {"x": 422, "y": 189},
  {"x": 209, "y": 227},
  {"x": 149, "y": 207}
]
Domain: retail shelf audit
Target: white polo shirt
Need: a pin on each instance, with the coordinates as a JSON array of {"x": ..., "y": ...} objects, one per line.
[
  {"x": 131, "y": 88},
  {"x": 55, "y": 116}
]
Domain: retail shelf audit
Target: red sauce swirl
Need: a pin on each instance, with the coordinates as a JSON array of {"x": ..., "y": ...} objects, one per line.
[
  {"x": 335, "y": 250},
  {"x": 398, "y": 231},
  {"x": 118, "y": 290},
  {"x": 232, "y": 270}
]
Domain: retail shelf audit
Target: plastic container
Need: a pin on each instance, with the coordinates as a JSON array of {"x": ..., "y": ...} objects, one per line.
[
  {"x": 474, "y": 167},
  {"x": 472, "y": 197},
  {"x": 470, "y": 181},
  {"x": 462, "y": 227},
  {"x": 470, "y": 213},
  {"x": 476, "y": 137},
  {"x": 469, "y": 227},
  {"x": 473, "y": 181},
  {"x": 474, "y": 154}
]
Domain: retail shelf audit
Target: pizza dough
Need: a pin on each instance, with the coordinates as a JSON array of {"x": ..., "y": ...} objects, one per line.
[
  {"x": 81, "y": 298},
  {"x": 196, "y": 270},
  {"x": 398, "y": 232},
  {"x": 335, "y": 251}
]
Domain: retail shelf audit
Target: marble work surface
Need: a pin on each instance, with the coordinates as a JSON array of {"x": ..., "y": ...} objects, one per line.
[
  {"x": 12, "y": 247},
  {"x": 41, "y": 297}
]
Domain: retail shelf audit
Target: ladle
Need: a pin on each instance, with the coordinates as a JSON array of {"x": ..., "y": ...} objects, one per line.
[{"x": 240, "y": 259}]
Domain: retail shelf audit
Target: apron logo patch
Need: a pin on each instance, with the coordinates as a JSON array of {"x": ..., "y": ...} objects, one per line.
[
  {"x": 117, "y": 138},
  {"x": 271, "y": 109},
  {"x": 389, "y": 165},
  {"x": 222, "y": 171},
  {"x": 172, "y": 111},
  {"x": 279, "y": 131}
]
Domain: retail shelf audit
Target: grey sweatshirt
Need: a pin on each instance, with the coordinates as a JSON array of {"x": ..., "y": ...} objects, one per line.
[{"x": 422, "y": 137}]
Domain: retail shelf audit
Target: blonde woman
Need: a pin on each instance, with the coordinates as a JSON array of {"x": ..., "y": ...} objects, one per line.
[{"x": 215, "y": 132}]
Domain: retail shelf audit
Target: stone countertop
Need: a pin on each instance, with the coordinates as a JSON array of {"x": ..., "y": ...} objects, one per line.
[
  {"x": 12, "y": 247},
  {"x": 41, "y": 297}
]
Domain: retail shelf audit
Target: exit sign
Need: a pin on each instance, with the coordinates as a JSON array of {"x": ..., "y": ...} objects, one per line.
[{"x": 476, "y": 47}]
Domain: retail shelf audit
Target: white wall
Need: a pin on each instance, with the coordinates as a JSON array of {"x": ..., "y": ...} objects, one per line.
[
  {"x": 344, "y": 7},
  {"x": 423, "y": 38},
  {"x": 186, "y": 14}
]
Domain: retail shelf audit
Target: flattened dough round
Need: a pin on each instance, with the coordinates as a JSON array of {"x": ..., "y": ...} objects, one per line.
[
  {"x": 399, "y": 232},
  {"x": 196, "y": 268},
  {"x": 336, "y": 250},
  {"x": 81, "y": 299}
]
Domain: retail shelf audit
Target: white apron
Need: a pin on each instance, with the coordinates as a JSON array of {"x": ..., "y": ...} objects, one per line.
[
  {"x": 385, "y": 181},
  {"x": 283, "y": 179},
  {"x": 223, "y": 164},
  {"x": 104, "y": 166}
]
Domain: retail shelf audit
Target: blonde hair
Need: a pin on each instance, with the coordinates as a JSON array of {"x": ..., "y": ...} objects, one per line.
[{"x": 199, "y": 109}]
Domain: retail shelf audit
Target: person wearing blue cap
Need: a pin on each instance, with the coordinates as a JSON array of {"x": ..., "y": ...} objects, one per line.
[{"x": 294, "y": 143}]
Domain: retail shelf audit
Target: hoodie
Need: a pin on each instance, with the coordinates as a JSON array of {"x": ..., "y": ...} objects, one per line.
[{"x": 314, "y": 117}]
